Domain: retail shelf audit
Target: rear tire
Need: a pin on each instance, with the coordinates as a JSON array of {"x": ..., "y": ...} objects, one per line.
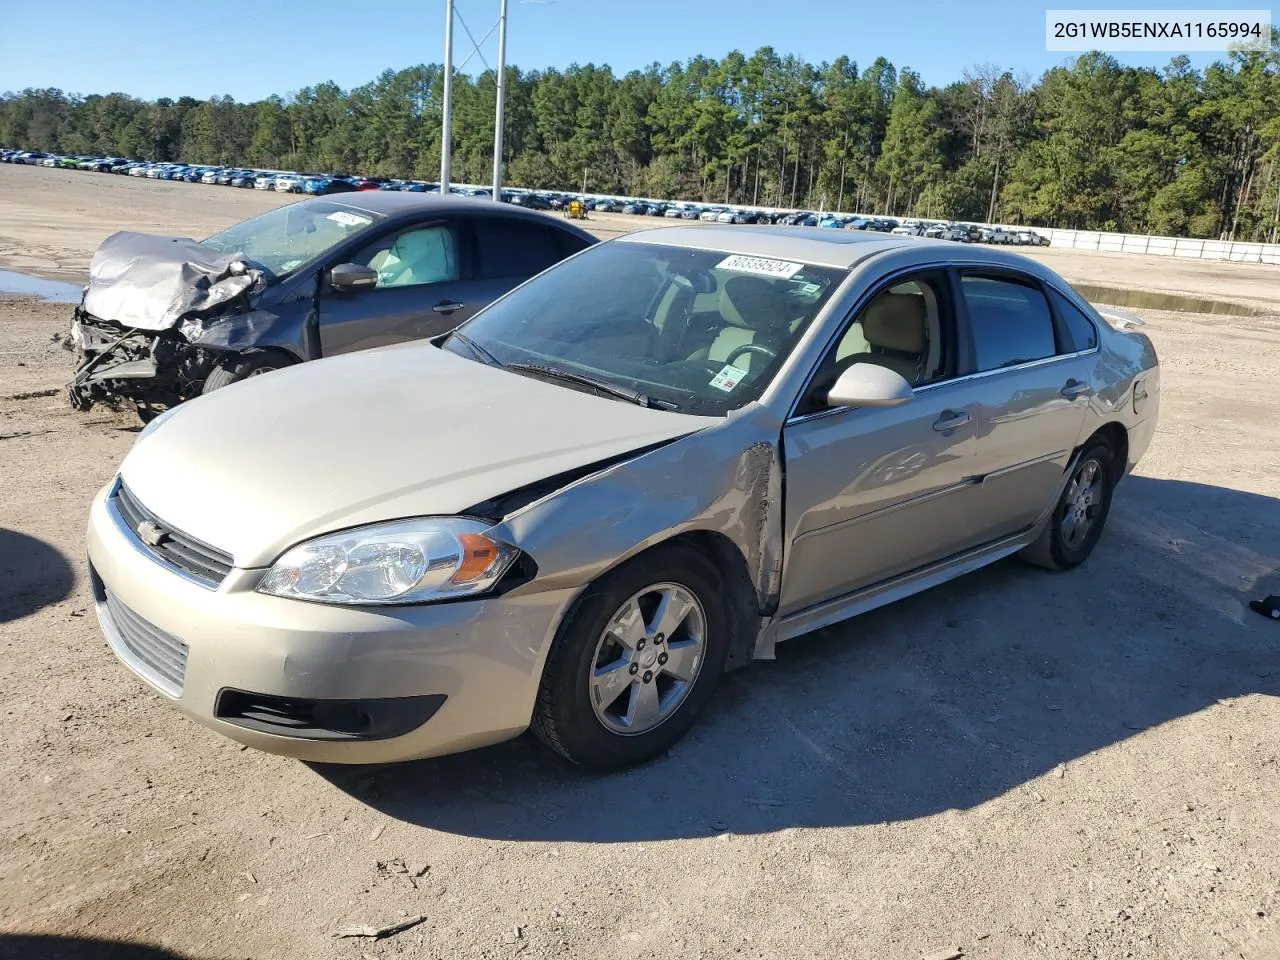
[
  {"x": 665, "y": 669},
  {"x": 241, "y": 368},
  {"x": 1080, "y": 514}
]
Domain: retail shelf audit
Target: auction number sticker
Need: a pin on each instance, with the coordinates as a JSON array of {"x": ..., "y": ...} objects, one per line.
[
  {"x": 349, "y": 219},
  {"x": 761, "y": 265},
  {"x": 728, "y": 377}
]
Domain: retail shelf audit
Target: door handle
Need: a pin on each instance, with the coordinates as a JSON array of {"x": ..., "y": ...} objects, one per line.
[
  {"x": 1075, "y": 388},
  {"x": 448, "y": 306},
  {"x": 950, "y": 420}
]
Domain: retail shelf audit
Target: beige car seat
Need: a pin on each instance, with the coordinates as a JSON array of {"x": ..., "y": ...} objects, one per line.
[
  {"x": 895, "y": 330},
  {"x": 754, "y": 310}
]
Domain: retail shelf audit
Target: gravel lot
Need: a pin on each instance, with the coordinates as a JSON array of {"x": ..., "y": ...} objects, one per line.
[{"x": 1017, "y": 764}]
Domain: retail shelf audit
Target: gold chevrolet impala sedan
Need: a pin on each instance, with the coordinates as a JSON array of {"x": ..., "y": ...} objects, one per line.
[{"x": 643, "y": 467}]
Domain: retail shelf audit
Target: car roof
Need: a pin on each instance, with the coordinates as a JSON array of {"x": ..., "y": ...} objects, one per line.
[
  {"x": 397, "y": 203},
  {"x": 832, "y": 248}
]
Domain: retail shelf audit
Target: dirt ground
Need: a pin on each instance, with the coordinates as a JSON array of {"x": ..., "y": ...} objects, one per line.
[{"x": 1018, "y": 764}]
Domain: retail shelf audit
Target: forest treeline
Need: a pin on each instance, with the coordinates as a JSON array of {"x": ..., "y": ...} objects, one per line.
[{"x": 1093, "y": 145}]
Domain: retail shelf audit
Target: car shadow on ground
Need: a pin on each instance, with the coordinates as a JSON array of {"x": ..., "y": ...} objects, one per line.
[
  {"x": 19, "y": 946},
  {"x": 34, "y": 574},
  {"x": 941, "y": 701}
]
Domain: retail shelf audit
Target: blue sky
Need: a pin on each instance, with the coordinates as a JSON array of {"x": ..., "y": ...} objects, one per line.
[{"x": 252, "y": 48}]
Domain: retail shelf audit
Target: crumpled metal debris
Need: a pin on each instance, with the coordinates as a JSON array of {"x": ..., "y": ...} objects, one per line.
[{"x": 149, "y": 282}]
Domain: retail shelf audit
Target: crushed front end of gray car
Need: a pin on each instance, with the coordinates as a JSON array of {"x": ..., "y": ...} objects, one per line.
[{"x": 142, "y": 331}]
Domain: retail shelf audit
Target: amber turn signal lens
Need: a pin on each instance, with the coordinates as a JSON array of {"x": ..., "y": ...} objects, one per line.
[{"x": 479, "y": 553}]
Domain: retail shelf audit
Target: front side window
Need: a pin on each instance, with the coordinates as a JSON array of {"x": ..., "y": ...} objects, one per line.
[
  {"x": 905, "y": 327},
  {"x": 700, "y": 331},
  {"x": 287, "y": 238},
  {"x": 1010, "y": 321},
  {"x": 413, "y": 257}
]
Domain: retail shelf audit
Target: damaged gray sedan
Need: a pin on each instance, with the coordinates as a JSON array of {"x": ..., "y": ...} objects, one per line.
[
  {"x": 646, "y": 466},
  {"x": 164, "y": 319}
]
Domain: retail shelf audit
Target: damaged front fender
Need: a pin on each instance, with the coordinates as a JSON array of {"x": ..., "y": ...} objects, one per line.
[
  {"x": 255, "y": 330},
  {"x": 724, "y": 482}
]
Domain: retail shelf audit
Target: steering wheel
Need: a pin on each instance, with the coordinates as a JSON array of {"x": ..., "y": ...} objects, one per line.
[{"x": 759, "y": 348}]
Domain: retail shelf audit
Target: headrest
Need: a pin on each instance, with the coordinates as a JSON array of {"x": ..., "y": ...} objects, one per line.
[
  {"x": 755, "y": 303},
  {"x": 896, "y": 321}
]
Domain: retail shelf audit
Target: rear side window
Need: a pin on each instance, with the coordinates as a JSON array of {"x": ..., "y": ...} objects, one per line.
[
  {"x": 512, "y": 249},
  {"x": 1078, "y": 330},
  {"x": 569, "y": 243},
  {"x": 1011, "y": 322}
]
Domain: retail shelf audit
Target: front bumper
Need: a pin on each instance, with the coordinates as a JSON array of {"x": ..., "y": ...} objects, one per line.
[{"x": 474, "y": 666}]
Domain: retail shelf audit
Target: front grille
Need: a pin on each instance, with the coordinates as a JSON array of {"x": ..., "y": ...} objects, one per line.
[
  {"x": 159, "y": 656},
  {"x": 198, "y": 561}
]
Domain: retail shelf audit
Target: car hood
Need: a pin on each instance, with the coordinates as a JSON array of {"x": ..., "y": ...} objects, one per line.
[
  {"x": 402, "y": 431},
  {"x": 151, "y": 282}
]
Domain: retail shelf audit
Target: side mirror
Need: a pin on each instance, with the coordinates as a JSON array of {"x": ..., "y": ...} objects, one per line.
[
  {"x": 349, "y": 277},
  {"x": 869, "y": 385}
]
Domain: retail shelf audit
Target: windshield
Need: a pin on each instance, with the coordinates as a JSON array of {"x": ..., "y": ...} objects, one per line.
[
  {"x": 290, "y": 237},
  {"x": 702, "y": 332}
]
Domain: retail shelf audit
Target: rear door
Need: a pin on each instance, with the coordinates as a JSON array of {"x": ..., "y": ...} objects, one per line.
[
  {"x": 422, "y": 272},
  {"x": 1035, "y": 364}
]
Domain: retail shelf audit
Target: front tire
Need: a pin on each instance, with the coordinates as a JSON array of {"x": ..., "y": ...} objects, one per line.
[
  {"x": 148, "y": 411},
  {"x": 241, "y": 368},
  {"x": 635, "y": 662},
  {"x": 1078, "y": 518}
]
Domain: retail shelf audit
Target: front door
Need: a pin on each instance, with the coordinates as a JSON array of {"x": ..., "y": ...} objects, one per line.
[
  {"x": 421, "y": 292},
  {"x": 875, "y": 492}
]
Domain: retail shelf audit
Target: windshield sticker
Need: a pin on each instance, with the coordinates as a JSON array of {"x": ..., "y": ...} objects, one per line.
[
  {"x": 289, "y": 265},
  {"x": 761, "y": 265},
  {"x": 349, "y": 219},
  {"x": 728, "y": 378}
]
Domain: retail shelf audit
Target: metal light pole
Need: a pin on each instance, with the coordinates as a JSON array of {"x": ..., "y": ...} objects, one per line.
[
  {"x": 446, "y": 125},
  {"x": 502, "y": 102}
]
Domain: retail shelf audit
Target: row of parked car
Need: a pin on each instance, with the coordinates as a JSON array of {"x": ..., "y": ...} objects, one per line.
[
  {"x": 683, "y": 210},
  {"x": 280, "y": 181},
  {"x": 972, "y": 233},
  {"x": 318, "y": 184}
]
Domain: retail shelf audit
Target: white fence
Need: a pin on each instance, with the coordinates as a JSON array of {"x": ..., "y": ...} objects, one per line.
[{"x": 1164, "y": 246}]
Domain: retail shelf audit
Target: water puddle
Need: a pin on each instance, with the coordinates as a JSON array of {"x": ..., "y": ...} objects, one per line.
[
  {"x": 55, "y": 290},
  {"x": 1145, "y": 299}
]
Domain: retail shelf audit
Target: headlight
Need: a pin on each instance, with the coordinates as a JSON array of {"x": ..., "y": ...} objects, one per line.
[{"x": 404, "y": 561}]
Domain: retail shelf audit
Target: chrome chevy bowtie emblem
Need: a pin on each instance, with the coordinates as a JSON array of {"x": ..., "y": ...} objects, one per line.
[{"x": 151, "y": 533}]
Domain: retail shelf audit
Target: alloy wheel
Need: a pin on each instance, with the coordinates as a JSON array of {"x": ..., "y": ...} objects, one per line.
[
  {"x": 647, "y": 658},
  {"x": 1083, "y": 502}
]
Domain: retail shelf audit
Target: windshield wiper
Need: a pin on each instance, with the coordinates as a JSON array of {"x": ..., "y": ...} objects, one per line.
[
  {"x": 476, "y": 348},
  {"x": 621, "y": 393}
]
